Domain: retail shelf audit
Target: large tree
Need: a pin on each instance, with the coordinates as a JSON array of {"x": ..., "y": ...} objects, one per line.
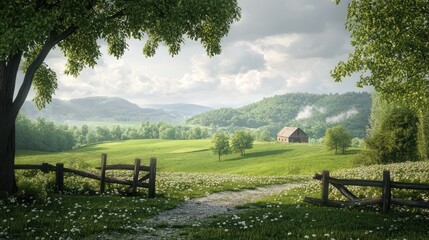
[
  {"x": 391, "y": 48},
  {"x": 31, "y": 29}
]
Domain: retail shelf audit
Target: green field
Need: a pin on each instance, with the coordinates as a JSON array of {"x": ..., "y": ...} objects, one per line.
[
  {"x": 187, "y": 169},
  {"x": 265, "y": 159}
]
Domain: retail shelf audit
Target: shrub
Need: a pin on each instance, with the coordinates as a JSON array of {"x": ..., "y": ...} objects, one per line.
[
  {"x": 34, "y": 185},
  {"x": 396, "y": 139}
]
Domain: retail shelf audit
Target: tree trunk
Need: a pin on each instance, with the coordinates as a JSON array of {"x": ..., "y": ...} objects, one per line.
[
  {"x": 7, "y": 161},
  {"x": 9, "y": 107},
  {"x": 8, "y": 72}
]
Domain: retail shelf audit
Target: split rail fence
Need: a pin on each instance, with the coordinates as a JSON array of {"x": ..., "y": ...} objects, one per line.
[
  {"x": 146, "y": 181},
  {"x": 385, "y": 200}
]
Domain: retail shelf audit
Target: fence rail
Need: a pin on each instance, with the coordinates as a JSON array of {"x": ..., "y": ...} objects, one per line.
[
  {"x": 385, "y": 200},
  {"x": 146, "y": 181}
]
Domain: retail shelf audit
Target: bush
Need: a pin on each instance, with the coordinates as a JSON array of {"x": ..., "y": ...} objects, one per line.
[
  {"x": 34, "y": 185},
  {"x": 396, "y": 139}
]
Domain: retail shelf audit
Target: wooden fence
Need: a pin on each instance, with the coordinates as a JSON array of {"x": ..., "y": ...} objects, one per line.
[
  {"x": 146, "y": 181},
  {"x": 385, "y": 200}
]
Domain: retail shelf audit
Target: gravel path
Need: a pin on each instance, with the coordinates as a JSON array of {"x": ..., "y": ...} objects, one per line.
[{"x": 193, "y": 211}]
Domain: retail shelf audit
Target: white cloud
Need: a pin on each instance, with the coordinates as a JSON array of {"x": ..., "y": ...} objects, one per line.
[{"x": 277, "y": 47}]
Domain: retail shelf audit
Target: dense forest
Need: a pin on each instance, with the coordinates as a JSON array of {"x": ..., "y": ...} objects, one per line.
[{"x": 314, "y": 113}]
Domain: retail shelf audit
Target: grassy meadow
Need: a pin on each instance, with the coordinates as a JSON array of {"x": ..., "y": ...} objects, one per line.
[
  {"x": 265, "y": 159},
  {"x": 188, "y": 169}
]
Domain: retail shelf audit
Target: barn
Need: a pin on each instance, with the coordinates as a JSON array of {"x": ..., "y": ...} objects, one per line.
[{"x": 292, "y": 135}]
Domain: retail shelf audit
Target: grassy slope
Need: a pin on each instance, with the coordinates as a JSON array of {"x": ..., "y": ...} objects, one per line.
[
  {"x": 265, "y": 159},
  {"x": 283, "y": 216}
]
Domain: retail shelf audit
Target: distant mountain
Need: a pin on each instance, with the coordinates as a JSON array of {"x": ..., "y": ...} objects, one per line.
[
  {"x": 185, "y": 110},
  {"x": 312, "y": 112},
  {"x": 108, "y": 109}
]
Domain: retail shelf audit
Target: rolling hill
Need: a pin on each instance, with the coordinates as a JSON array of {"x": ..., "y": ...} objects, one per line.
[
  {"x": 108, "y": 109},
  {"x": 312, "y": 112},
  {"x": 184, "y": 110}
]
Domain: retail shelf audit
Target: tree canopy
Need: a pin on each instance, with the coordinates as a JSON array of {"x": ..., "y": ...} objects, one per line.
[
  {"x": 337, "y": 138},
  {"x": 241, "y": 140},
  {"x": 396, "y": 133},
  {"x": 31, "y": 29},
  {"x": 391, "y": 48},
  {"x": 76, "y": 27},
  {"x": 220, "y": 144}
]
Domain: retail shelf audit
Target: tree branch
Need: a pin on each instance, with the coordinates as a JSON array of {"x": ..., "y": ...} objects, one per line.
[
  {"x": 8, "y": 72},
  {"x": 53, "y": 40},
  {"x": 11, "y": 72},
  {"x": 3, "y": 85},
  {"x": 116, "y": 15}
]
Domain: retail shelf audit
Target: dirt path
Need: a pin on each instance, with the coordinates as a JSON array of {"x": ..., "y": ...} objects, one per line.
[{"x": 193, "y": 211}]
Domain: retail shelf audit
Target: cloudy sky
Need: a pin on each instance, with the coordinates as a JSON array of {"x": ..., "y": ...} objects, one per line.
[{"x": 278, "y": 47}]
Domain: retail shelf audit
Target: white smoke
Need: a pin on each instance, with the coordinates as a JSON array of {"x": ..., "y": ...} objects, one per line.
[{"x": 342, "y": 116}]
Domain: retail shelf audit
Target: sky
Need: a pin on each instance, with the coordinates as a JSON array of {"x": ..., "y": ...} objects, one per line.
[{"x": 278, "y": 47}]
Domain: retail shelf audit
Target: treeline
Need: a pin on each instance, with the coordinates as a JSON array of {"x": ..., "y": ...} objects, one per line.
[{"x": 44, "y": 135}]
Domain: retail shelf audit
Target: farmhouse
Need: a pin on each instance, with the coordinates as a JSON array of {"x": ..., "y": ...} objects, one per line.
[{"x": 292, "y": 135}]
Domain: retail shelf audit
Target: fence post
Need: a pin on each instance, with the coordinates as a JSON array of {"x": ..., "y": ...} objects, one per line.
[
  {"x": 387, "y": 193},
  {"x": 59, "y": 177},
  {"x": 325, "y": 187},
  {"x": 45, "y": 167},
  {"x": 103, "y": 172},
  {"x": 136, "y": 174},
  {"x": 152, "y": 176}
]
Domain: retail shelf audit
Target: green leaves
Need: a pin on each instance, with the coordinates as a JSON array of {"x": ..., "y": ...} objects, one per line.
[
  {"x": 81, "y": 50},
  {"x": 337, "y": 139},
  {"x": 23, "y": 26},
  {"x": 45, "y": 84},
  {"x": 241, "y": 140},
  {"x": 395, "y": 138},
  {"x": 44, "y": 80},
  {"x": 391, "y": 48},
  {"x": 220, "y": 144},
  {"x": 27, "y": 26}
]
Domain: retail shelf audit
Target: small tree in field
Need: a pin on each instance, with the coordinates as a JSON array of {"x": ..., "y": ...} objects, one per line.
[
  {"x": 221, "y": 144},
  {"x": 242, "y": 140},
  {"x": 337, "y": 138}
]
